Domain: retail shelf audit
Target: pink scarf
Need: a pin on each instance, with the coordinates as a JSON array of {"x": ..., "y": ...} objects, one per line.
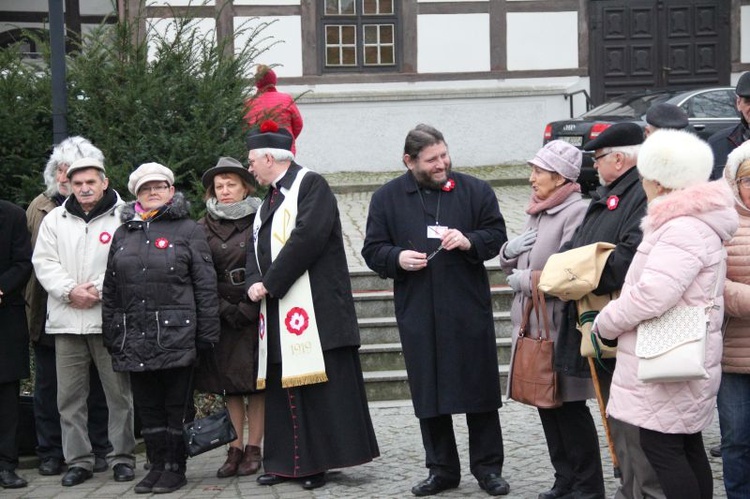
[{"x": 559, "y": 195}]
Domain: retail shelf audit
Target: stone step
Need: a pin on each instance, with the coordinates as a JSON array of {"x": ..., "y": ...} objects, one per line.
[
  {"x": 393, "y": 385},
  {"x": 380, "y": 303},
  {"x": 364, "y": 279},
  {"x": 389, "y": 356},
  {"x": 374, "y": 330}
]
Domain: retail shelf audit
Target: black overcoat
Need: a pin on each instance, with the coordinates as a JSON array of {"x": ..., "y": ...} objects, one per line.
[
  {"x": 444, "y": 312},
  {"x": 315, "y": 245},
  {"x": 15, "y": 269},
  {"x": 613, "y": 216}
]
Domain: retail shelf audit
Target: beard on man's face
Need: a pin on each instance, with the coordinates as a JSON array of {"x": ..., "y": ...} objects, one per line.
[{"x": 424, "y": 179}]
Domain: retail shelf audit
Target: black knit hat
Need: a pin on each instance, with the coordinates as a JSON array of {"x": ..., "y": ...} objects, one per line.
[
  {"x": 270, "y": 135},
  {"x": 619, "y": 134}
]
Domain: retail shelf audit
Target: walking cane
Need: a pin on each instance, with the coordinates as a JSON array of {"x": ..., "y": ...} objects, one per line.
[{"x": 605, "y": 423}]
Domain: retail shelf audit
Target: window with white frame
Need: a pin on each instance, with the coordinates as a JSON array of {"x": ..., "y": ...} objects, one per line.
[{"x": 359, "y": 35}]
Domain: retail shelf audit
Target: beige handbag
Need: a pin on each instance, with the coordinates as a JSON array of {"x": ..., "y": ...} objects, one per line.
[{"x": 572, "y": 274}]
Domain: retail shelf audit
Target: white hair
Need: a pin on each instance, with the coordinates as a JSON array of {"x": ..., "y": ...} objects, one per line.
[
  {"x": 277, "y": 154},
  {"x": 66, "y": 153},
  {"x": 630, "y": 152}
]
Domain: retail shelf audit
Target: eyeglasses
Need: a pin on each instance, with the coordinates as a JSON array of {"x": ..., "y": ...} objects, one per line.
[
  {"x": 744, "y": 182},
  {"x": 154, "y": 188},
  {"x": 597, "y": 158}
]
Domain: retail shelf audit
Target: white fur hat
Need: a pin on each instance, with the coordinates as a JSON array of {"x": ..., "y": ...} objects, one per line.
[{"x": 675, "y": 158}]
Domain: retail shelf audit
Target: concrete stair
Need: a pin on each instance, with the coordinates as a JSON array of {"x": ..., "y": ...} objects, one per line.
[{"x": 381, "y": 356}]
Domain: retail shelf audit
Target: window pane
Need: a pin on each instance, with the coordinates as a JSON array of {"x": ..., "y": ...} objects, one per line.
[
  {"x": 386, "y": 55},
  {"x": 348, "y": 35},
  {"x": 386, "y": 33},
  {"x": 349, "y": 56},
  {"x": 348, "y": 7},
  {"x": 371, "y": 56},
  {"x": 369, "y": 7},
  {"x": 386, "y": 7},
  {"x": 332, "y": 7},
  {"x": 333, "y": 57},
  {"x": 371, "y": 35},
  {"x": 332, "y": 35}
]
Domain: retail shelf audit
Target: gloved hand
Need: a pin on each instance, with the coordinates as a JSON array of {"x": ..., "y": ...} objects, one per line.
[
  {"x": 520, "y": 244},
  {"x": 514, "y": 280}
]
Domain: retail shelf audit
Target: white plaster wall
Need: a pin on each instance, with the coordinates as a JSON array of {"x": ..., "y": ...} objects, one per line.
[
  {"x": 97, "y": 7},
  {"x": 453, "y": 43},
  {"x": 178, "y": 3},
  {"x": 745, "y": 33},
  {"x": 283, "y": 38},
  {"x": 24, "y": 5},
  {"x": 369, "y": 136},
  {"x": 166, "y": 28},
  {"x": 266, "y": 2},
  {"x": 542, "y": 40}
]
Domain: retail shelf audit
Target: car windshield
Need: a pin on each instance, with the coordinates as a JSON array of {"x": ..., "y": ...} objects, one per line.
[{"x": 633, "y": 105}]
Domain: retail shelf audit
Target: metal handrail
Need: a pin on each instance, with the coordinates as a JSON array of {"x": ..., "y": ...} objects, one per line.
[{"x": 569, "y": 96}]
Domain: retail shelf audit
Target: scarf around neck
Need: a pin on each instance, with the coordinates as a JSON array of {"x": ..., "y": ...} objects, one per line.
[
  {"x": 232, "y": 211},
  {"x": 559, "y": 195}
]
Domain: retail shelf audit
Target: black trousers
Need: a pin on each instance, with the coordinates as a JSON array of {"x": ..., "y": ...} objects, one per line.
[
  {"x": 680, "y": 462},
  {"x": 159, "y": 396},
  {"x": 573, "y": 444},
  {"x": 486, "y": 453},
  {"x": 9, "y": 424},
  {"x": 47, "y": 417}
]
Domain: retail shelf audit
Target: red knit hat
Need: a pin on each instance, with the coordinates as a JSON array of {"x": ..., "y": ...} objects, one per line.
[{"x": 264, "y": 76}]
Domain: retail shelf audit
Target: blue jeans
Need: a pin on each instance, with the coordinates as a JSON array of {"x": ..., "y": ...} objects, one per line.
[{"x": 734, "y": 420}]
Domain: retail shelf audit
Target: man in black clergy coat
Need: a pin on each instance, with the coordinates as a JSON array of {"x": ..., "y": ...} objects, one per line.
[
  {"x": 316, "y": 407},
  {"x": 15, "y": 269},
  {"x": 431, "y": 230}
]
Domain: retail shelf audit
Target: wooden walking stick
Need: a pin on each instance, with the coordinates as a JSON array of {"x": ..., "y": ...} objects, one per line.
[{"x": 605, "y": 423}]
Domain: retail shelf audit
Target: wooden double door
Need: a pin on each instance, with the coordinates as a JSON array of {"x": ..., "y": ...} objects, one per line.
[{"x": 639, "y": 44}]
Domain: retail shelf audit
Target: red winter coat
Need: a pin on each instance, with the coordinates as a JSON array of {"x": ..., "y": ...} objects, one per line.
[{"x": 277, "y": 106}]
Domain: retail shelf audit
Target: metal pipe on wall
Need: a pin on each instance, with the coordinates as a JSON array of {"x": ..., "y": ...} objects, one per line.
[{"x": 57, "y": 67}]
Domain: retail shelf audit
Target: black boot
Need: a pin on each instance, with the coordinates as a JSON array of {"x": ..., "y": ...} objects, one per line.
[
  {"x": 173, "y": 476},
  {"x": 156, "y": 451}
]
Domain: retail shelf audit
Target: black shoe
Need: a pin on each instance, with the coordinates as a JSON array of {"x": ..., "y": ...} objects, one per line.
[
  {"x": 51, "y": 466},
  {"x": 269, "y": 479},
  {"x": 146, "y": 485},
  {"x": 494, "y": 484},
  {"x": 715, "y": 451},
  {"x": 122, "y": 472},
  {"x": 314, "y": 481},
  {"x": 556, "y": 492},
  {"x": 100, "y": 464},
  {"x": 432, "y": 485},
  {"x": 9, "y": 480},
  {"x": 75, "y": 476}
]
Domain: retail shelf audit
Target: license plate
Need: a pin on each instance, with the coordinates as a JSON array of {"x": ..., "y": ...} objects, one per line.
[{"x": 575, "y": 140}]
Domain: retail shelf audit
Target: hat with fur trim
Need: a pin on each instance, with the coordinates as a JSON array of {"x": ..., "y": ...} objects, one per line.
[
  {"x": 227, "y": 165},
  {"x": 149, "y": 172},
  {"x": 560, "y": 157},
  {"x": 675, "y": 158},
  {"x": 617, "y": 135},
  {"x": 270, "y": 136},
  {"x": 83, "y": 163},
  {"x": 664, "y": 115}
]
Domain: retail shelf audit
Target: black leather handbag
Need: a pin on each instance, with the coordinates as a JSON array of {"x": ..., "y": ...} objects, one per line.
[
  {"x": 210, "y": 432},
  {"x": 207, "y": 433}
]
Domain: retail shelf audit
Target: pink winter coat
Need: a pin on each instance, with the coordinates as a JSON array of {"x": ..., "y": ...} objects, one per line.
[{"x": 676, "y": 264}]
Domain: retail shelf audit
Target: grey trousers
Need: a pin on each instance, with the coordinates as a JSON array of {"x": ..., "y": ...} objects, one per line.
[
  {"x": 639, "y": 480},
  {"x": 73, "y": 355}
]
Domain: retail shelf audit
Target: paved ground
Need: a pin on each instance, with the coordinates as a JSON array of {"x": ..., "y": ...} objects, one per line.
[{"x": 401, "y": 464}]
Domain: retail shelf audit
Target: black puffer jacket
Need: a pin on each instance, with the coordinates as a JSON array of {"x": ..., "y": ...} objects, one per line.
[{"x": 159, "y": 295}]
